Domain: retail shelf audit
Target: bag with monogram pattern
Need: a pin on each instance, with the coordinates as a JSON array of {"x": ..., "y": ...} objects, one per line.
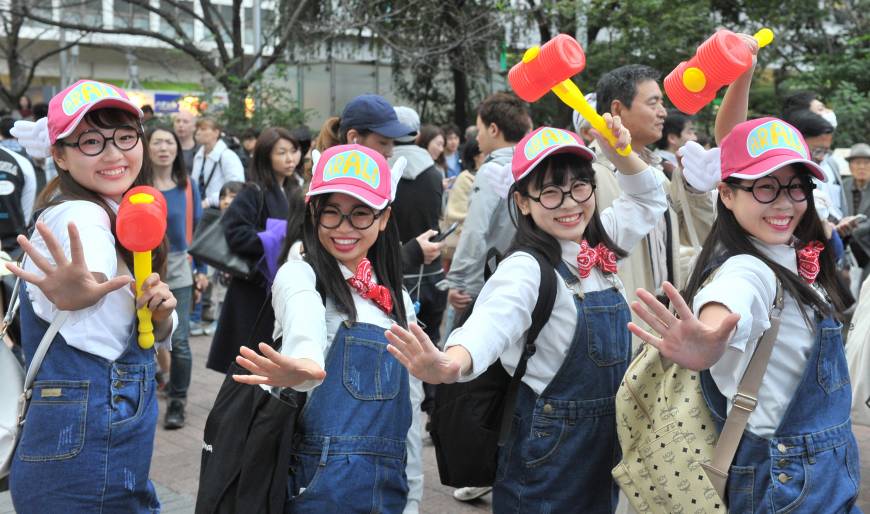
[{"x": 673, "y": 458}]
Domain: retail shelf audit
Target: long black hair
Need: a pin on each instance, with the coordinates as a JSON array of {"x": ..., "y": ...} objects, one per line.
[
  {"x": 261, "y": 171},
  {"x": 727, "y": 238},
  {"x": 64, "y": 187},
  {"x": 529, "y": 235},
  {"x": 179, "y": 170},
  {"x": 384, "y": 254}
]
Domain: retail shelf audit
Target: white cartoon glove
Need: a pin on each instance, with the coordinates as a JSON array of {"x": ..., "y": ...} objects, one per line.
[
  {"x": 501, "y": 181},
  {"x": 33, "y": 136},
  {"x": 701, "y": 167}
]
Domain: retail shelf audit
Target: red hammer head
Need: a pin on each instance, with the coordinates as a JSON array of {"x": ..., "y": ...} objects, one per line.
[
  {"x": 141, "y": 222},
  {"x": 542, "y": 68}
]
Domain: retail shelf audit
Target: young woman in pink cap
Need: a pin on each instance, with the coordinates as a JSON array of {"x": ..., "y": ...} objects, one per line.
[
  {"x": 89, "y": 431},
  {"x": 338, "y": 291},
  {"x": 797, "y": 453},
  {"x": 562, "y": 444}
]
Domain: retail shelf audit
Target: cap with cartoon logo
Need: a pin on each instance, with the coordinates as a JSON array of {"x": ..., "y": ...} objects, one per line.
[
  {"x": 542, "y": 143},
  {"x": 757, "y": 148},
  {"x": 67, "y": 108},
  {"x": 354, "y": 170}
]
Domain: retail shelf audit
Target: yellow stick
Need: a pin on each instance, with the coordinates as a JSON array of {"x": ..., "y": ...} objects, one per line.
[
  {"x": 568, "y": 92},
  {"x": 142, "y": 269}
]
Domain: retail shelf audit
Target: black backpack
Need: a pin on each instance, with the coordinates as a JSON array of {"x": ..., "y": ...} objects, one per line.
[{"x": 471, "y": 420}]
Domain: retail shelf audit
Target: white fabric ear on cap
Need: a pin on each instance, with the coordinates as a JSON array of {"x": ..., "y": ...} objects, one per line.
[
  {"x": 315, "y": 156},
  {"x": 396, "y": 175},
  {"x": 33, "y": 136}
]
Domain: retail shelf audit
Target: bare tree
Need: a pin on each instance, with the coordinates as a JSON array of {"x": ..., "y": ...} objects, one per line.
[
  {"x": 22, "y": 57},
  {"x": 226, "y": 61}
]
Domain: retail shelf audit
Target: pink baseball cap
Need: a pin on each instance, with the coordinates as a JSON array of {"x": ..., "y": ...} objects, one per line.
[
  {"x": 757, "y": 148},
  {"x": 67, "y": 108},
  {"x": 354, "y": 170},
  {"x": 542, "y": 143}
]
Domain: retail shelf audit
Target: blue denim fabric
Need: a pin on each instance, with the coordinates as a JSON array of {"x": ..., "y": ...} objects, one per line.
[
  {"x": 180, "y": 371},
  {"x": 563, "y": 443},
  {"x": 89, "y": 432},
  {"x": 811, "y": 462},
  {"x": 350, "y": 453}
]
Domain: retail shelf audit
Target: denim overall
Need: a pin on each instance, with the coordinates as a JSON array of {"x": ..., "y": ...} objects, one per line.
[
  {"x": 811, "y": 462},
  {"x": 89, "y": 431},
  {"x": 350, "y": 453},
  {"x": 563, "y": 443}
]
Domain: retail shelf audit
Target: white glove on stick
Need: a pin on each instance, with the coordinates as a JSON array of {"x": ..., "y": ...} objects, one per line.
[
  {"x": 701, "y": 167},
  {"x": 33, "y": 136}
]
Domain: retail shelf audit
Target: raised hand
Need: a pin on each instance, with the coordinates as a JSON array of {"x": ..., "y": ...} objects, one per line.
[
  {"x": 702, "y": 168},
  {"x": 68, "y": 284},
  {"x": 629, "y": 164},
  {"x": 276, "y": 369},
  {"x": 686, "y": 340},
  {"x": 414, "y": 350}
]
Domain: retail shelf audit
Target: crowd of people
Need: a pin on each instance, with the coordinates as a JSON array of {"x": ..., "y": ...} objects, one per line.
[{"x": 389, "y": 255}]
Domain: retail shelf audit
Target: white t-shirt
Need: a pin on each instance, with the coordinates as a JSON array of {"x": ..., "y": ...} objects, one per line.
[
  {"x": 503, "y": 312},
  {"x": 103, "y": 328},
  {"x": 308, "y": 327},
  {"x": 745, "y": 285}
]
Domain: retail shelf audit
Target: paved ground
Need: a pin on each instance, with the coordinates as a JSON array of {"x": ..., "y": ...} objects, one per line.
[{"x": 175, "y": 468}]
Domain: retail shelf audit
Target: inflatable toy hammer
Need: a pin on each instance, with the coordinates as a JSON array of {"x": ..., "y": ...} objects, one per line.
[
  {"x": 550, "y": 68},
  {"x": 718, "y": 62},
  {"x": 140, "y": 226}
]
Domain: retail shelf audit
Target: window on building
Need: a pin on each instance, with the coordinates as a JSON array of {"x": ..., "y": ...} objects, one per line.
[
  {"x": 267, "y": 25},
  {"x": 220, "y": 13},
  {"x": 84, "y": 12},
  {"x": 127, "y": 15},
  {"x": 181, "y": 14}
]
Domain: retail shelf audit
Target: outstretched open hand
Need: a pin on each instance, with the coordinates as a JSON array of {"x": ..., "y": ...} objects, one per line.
[
  {"x": 424, "y": 360},
  {"x": 68, "y": 284},
  {"x": 276, "y": 369},
  {"x": 685, "y": 340}
]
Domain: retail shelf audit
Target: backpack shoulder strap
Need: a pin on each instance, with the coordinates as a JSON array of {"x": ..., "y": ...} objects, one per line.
[
  {"x": 540, "y": 316},
  {"x": 745, "y": 401}
]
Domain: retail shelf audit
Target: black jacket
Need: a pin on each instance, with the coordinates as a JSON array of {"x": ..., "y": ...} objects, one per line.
[{"x": 417, "y": 207}]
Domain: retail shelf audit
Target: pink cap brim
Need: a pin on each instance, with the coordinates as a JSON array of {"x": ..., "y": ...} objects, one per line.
[
  {"x": 765, "y": 167},
  {"x": 581, "y": 151},
  {"x": 362, "y": 194},
  {"x": 119, "y": 103}
]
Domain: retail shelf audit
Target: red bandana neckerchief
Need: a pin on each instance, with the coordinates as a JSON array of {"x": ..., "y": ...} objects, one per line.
[
  {"x": 601, "y": 256},
  {"x": 365, "y": 285},
  {"x": 808, "y": 261}
]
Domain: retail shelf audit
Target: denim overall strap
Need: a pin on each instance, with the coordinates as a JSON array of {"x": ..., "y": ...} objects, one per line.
[
  {"x": 565, "y": 444},
  {"x": 350, "y": 453},
  {"x": 811, "y": 462},
  {"x": 89, "y": 431}
]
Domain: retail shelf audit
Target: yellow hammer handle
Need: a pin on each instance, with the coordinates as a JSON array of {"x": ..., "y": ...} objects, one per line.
[
  {"x": 568, "y": 92},
  {"x": 142, "y": 269}
]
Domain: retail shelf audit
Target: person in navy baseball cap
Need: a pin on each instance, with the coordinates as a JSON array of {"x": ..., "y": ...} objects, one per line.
[{"x": 375, "y": 114}]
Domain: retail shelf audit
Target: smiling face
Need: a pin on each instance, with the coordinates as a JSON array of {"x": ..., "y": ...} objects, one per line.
[
  {"x": 285, "y": 157},
  {"x": 162, "y": 149},
  {"x": 567, "y": 222},
  {"x": 348, "y": 244},
  {"x": 772, "y": 223},
  {"x": 110, "y": 173}
]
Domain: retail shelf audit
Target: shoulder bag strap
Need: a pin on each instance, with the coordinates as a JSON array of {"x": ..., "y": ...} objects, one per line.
[
  {"x": 683, "y": 198},
  {"x": 540, "y": 316},
  {"x": 218, "y": 166},
  {"x": 188, "y": 214},
  {"x": 745, "y": 401}
]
